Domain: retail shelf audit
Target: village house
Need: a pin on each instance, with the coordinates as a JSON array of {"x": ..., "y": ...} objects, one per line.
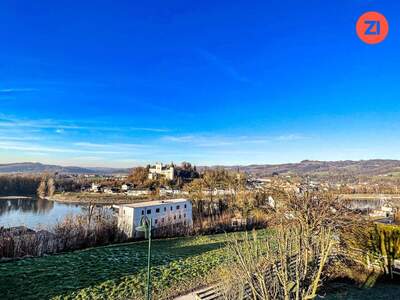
[
  {"x": 167, "y": 171},
  {"x": 171, "y": 192},
  {"x": 383, "y": 211},
  {"x": 137, "y": 193},
  {"x": 161, "y": 212},
  {"x": 95, "y": 188},
  {"x": 126, "y": 187},
  {"x": 110, "y": 190},
  {"x": 85, "y": 188},
  {"x": 219, "y": 192}
]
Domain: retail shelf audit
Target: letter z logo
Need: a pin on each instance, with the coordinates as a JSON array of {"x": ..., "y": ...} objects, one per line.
[{"x": 372, "y": 27}]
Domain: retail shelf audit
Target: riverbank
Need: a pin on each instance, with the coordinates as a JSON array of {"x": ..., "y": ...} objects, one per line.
[
  {"x": 15, "y": 197},
  {"x": 97, "y": 198}
]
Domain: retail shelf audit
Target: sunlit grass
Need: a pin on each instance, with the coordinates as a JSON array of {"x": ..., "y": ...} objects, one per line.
[{"x": 115, "y": 272}]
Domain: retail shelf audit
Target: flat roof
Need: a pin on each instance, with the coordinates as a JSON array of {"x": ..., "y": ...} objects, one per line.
[{"x": 155, "y": 202}]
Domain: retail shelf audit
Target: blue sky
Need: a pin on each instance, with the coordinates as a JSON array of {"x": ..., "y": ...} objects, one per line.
[{"x": 123, "y": 83}]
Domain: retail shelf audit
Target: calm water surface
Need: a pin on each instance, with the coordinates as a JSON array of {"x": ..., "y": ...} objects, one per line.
[{"x": 35, "y": 212}]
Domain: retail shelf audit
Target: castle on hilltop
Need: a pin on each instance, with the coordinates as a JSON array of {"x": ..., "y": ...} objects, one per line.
[{"x": 167, "y": 171}]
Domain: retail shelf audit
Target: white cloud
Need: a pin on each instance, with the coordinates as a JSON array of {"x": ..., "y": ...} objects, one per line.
[
  {"x": 180, "y": 139},
  {"x": 29, "y": 147},
  {"x": 216, "y": 140},
  {"x": 19, "y": 138},
  {"x": 17, "y": 90},
  {"x": 110, "y": 145},
  {"x": 290, "y": 137},
  {"x": 7, "y": 121},
  {"x": 230, "y": 140}
]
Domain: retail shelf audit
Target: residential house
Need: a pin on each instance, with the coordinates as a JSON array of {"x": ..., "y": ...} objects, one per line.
[
  {"x": 126, "y": 187},
  {"x": 161, "y": 212},
  {"x": 137, "y": 193},
  {"x": 96, "y": 188}
]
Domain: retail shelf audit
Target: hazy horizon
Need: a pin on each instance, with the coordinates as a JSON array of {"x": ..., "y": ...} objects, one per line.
[{"x": 179, "y": 162}]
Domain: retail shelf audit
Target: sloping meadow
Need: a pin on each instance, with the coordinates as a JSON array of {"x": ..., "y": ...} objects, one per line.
[{"x": 116, "y": 272}]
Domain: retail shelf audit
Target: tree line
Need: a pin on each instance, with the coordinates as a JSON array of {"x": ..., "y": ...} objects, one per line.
[{"x": 19, "y": 185}]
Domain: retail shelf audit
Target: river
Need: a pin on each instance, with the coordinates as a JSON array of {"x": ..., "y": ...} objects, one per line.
[{"x": 34, "y": 212}]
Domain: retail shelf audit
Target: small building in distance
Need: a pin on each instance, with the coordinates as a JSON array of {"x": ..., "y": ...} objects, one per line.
[
  {"x": 137, "y": 193},
  {"x": 168, "y": 171},
  {"x": 171, "y": 192},
  {"x": 126, "y": 187},
  {"x": 95, "y": 188},
  {"x": 163, "y": 213}
]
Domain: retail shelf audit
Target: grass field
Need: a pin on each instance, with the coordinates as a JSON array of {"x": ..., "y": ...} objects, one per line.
[{"x": 115, "y": 272}]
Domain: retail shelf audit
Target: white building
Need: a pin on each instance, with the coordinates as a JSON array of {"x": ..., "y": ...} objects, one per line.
[
  {"x": 137, "y": 193},
  {"x": 171, "y": 192},
  {"x": 107, "y": 190},
  {"x": 161, "y": 212},
  {"x": 168, "y": 171},
  {"x": 126, "y": 187},
  {"x": 382, "y": 212},
  {"x": 219, "y": 192},
  {"x": 95, "y": 188}
]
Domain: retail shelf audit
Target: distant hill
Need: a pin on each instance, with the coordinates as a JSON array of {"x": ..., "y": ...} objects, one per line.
[
  {"x": 305, "y": 167},
  {"x": 29, "y": 167},
  {"x": 313, "y": 167}
]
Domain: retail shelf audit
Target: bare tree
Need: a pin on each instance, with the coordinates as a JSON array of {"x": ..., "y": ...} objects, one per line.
[
  {"x": 139, "y": 176},
  {"x": 89, "y": 214},
  {"x": 290, "y": 262},
  {"x": 42, "y": 189},
  {"x": 51, "y": 187},
  {"x": 282, "y": 266}
]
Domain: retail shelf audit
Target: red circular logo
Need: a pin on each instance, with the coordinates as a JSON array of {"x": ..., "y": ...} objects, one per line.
[{"x": 372, "y": 27}]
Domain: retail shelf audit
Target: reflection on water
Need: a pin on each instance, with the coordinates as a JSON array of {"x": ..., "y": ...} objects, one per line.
[
  {"x": 38, "y": 206},
  {"x": 34, "y": 212}
]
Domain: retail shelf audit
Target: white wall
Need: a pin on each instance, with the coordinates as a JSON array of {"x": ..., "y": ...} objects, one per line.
[
  {"x": 161, "y": 215},
  {"x": 125, "y": 218}
]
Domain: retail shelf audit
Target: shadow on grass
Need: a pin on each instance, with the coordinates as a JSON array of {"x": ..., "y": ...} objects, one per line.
[
  {"x": 47, "y": 277},
  {"x": 346, "y": 290}
]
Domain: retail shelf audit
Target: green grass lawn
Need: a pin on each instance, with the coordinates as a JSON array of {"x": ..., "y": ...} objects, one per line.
[{"x": 114, "y": 272}]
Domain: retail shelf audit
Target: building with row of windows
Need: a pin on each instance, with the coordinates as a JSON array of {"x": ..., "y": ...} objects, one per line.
[
  {"x": 161, "y": 212},
  {"x": 167, "y": 171}
]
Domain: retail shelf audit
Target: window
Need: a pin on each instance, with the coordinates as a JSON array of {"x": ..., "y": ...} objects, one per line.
[
  {"x": 165, "y": 209},
  {"x": 171, "y": 208},
  {"x": 155, "y": 221},
  {"x": 174, "y": 217},
  {"x": 142, "y": 212},
  {"x": 180, "y": 217},
  {"x": 184, "y": 215},
  {"x": 149, "y": 211},
  {"x": 162, "y": 220},
  {"x": 184, "y": 222},
  {"x": 157, "y": 210},
  {"x": 185, "y": 206},
  {"x": 177, "y": 207}
]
